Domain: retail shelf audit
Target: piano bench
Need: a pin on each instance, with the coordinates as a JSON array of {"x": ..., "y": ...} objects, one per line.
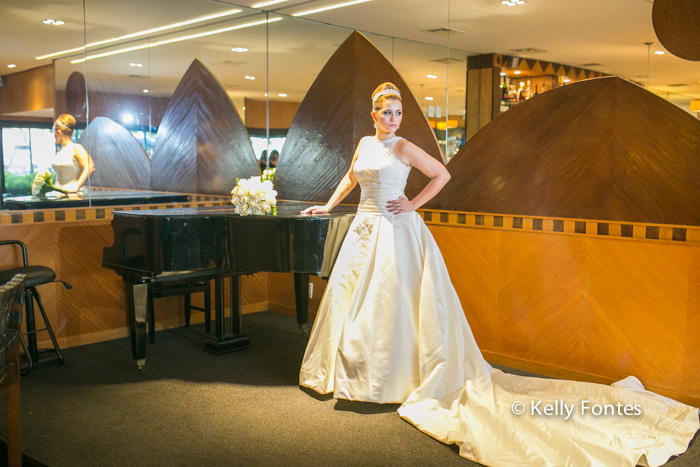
[{"x": 175, "y": 288}]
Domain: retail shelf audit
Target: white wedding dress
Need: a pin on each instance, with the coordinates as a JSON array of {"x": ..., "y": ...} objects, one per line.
[
  {"x": 390, "y": 328},
  {"x": 66, "y": 166}
]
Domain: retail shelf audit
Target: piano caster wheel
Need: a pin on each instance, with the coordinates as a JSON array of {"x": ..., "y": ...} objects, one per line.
[
  {"x": 141, "y": 364},
  {"x": 304, "y": 328}
]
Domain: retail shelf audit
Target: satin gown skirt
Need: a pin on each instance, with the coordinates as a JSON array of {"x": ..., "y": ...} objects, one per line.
[{"x": 390, "y": 328}]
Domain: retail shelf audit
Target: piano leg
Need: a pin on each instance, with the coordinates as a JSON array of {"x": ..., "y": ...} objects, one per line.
[
  {"x": 137, "y": 297},
  {"x": 235, "y": 340},
  {"x": 301, "y": 292}
]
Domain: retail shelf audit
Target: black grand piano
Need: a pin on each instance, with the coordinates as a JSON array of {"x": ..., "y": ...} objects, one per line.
[{"x": 168, "y": 245}]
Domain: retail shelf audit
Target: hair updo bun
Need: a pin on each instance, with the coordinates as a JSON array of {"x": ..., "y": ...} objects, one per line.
[
  {"x": 65, "y": 124},
  {"x": 388, "y": 91}
]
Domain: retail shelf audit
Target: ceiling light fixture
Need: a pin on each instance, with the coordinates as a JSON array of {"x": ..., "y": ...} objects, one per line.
[
  {"x": 239, "y": 49},
  {"x": 659, "y": 52},
  {"x": 11, "y": 65},
  {"x": 428, "y": 98},
  {"x": 176, "y": 39},
  {"x": 146, "y": 91},
  {"x": 250, "y": 77},
  {"x": 503, "y": 73},
  {"x": 517, "y": 72},
  {"x": 54, "y": 22},
  {"x": 136, "y": 64},
  {"x": 329, "y": 7},
  {"x": 512, "y": 2},
  {"x": 567, "y": 80},
  {"x": 282, "y": 95},
  {"x": 432, "y": 76},
  {"x": 142, "y": 33},
  {"x": 272, "y": 2}
]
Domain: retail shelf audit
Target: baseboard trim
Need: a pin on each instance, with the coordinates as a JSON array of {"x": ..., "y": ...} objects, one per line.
[{"x": 563, "y": 373}]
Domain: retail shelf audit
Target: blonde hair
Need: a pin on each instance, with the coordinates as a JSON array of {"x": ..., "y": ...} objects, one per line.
[
  {"x": 65, "y": 124},
  {"x": 377, "y": 104}
]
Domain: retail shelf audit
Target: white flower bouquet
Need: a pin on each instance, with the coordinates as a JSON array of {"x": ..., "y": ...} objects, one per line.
[
  {"x": 254, "y": 196},
  {"x": 43, "y": 183}
]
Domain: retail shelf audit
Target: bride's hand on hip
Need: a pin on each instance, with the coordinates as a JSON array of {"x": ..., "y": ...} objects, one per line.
[
  {"x": 400, "y": 206},
  {"x": 316, "y": 210}
]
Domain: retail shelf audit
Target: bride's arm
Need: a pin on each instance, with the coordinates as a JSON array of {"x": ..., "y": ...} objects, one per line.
[
  {"x": 409, "y": 153},
  {"x": 346, "y": 185}
]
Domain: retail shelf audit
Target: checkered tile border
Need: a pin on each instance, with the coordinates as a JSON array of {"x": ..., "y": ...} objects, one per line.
[{"x": 610, "y": 229}]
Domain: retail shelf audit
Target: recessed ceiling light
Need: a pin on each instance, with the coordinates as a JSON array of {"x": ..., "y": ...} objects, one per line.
[
  {"x": 136, "y": 64},
  {"x": 517, "y": 72},
  {"x": 512, "y": 2},
  {"x": 659, "y": 52},
  {"x": 503, "y": 73},
  {"x": 282, "y": 95},
  {"x": 329, "y": 7},
  {"x": 239, "y": 49},
  {"x": 428, "y": 98},
  {"x": 567, "y": 80},
  {"x": 432, "y": 76},
  {"x": 11, "y": 65},
  {"x": 54, "y": 22},
  {"x": 250, "y": 77},
  {"x": 146, "y": 91},
  {"x": 141, "y": 33}
]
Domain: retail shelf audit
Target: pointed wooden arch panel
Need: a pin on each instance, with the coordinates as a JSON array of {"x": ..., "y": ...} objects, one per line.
[
  {"x": 335, "y": 115},
  {"x": 202, "y": 144},
  {"x": 676, "y": 23},
  {"x": 120, "y": 161},
  {"x": 602, "y": 149}
]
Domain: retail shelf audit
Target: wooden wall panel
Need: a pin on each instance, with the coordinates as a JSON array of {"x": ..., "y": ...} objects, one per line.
[
  {"x": 636, "y": 321},
  {"x": 335, "y": 115},
  {"x": 581, "y": 306},
  {"x": 120, "y": 161},
  {"x": 28, "y": 90},
  {"x": 97, "y": 301},
  {"x": 202, "y": 145},
  {"x": 691, "y": 358},
  {"x": 676, "y": 23},
  {"x": 597, "y": 149},
  {"x": 475, "y": 278},
  {"x": 541, "y": 298},
  {"x": 281, "y": 113}
]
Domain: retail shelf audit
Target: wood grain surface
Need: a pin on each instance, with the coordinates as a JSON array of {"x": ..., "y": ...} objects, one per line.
[
  {"x": 602, "y": 149},
  {"x": 202, "y": 145},
  {"x": 676, "y": 23},
  {"x": 335, "y": 115},
  {"x": 120, "y": 161}
]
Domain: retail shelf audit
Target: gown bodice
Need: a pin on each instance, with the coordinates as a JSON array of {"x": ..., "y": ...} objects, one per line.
[
  {"x": 66, "y": 166},
  {"x": 381, "y": 175}
]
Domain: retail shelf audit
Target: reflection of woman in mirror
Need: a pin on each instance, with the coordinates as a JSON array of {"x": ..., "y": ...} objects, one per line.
[
  {"x": 263, "y": 161},
  {"x": 274, "y": 157},
  {"x": 73, "y": 164}
]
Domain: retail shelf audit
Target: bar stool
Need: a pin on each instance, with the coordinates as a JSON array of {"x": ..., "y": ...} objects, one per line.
[
  {"x": 174, "y": 288},
  {"x": 35, "y": 276}
]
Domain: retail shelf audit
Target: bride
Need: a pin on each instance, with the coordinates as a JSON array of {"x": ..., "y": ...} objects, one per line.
[
  {"x": 390, "y": 329},
  {"x": 73, "y": 165}
]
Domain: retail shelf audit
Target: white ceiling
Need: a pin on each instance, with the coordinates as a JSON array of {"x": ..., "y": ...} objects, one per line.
[{"x": 572, "y": 32}]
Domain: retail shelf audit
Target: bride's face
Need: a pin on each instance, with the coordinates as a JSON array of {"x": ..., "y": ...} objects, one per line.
[{"x": 388, "y": 118}]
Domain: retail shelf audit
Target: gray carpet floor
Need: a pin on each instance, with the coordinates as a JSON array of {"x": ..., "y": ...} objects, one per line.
[{"x": 192, "y": 408}]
